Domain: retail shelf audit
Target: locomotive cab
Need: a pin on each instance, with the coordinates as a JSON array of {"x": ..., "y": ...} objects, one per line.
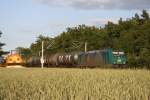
[{"x": 119, "y": 58}]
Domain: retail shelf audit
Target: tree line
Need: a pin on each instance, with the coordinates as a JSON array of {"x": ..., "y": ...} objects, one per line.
[
  {"x": 132, "y": 35},
  {"x": 1, "y": 45}
]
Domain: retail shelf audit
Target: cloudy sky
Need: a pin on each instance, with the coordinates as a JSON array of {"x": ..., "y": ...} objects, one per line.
[{"x": 21, "y": 21}]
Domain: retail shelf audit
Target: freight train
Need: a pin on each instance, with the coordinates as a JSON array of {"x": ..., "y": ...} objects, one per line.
[{"x": 95, "y": 58}]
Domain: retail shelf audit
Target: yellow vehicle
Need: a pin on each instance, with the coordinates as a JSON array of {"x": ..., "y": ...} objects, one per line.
[{"x": 14, "y": 59}]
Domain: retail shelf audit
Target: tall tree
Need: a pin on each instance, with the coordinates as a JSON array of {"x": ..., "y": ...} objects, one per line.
[
  {"x": 24, "y": 52},
  {"x": 145, "y": 15},
  {"x": 36, "y": 47},
  {"x": 1, "y": 45}
]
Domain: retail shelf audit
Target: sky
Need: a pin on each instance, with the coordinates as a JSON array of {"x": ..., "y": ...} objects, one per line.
[{"x": 22, "y": 21}]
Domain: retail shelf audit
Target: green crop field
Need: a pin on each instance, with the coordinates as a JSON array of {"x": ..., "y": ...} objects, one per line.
[{"x": 74, "y": 84}]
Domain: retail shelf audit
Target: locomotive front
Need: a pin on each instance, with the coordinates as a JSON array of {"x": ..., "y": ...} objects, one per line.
[{"x": 14, "y": 59}]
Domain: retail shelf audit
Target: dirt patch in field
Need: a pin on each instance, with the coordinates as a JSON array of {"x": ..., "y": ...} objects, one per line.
[{"x": 15, "y": 66}]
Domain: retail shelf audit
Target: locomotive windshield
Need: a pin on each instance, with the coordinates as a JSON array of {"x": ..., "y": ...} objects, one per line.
[{"x": 119, "y": 58}]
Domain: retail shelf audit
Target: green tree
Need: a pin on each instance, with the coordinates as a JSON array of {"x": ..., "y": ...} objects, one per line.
[
  {"x": 74, "y": 39},
  {"x": 36, "y": 47},
  {"x": 24, "y": 52},
  {"x": 1, "y": 45},
  {"x": 145, "y": 15}
]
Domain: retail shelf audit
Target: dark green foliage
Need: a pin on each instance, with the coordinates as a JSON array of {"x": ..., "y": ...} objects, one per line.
[
  {"x": 1, "y": 45},
  {"x": 36, "y": 47},
  {"x": 24, "y": 52},
  {"x": 131, "y": 35}
]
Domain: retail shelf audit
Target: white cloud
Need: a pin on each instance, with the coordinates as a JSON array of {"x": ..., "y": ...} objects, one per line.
[
  {"x": 90, "y": 22},
  {"x": 101, "y": 21},
  {"x": 99, "y": 4}
]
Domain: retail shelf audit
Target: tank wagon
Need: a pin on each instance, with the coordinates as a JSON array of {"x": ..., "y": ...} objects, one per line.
[
  {"x": 33, "y": 61},
  {"x": 95, "y": 58}
]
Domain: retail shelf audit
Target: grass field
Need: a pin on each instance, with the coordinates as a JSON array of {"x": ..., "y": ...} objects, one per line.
[{"x": 74, "y": 84}]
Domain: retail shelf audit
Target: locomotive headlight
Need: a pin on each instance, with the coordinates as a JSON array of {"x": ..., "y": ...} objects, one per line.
[{"x": 76, "y": 57}]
